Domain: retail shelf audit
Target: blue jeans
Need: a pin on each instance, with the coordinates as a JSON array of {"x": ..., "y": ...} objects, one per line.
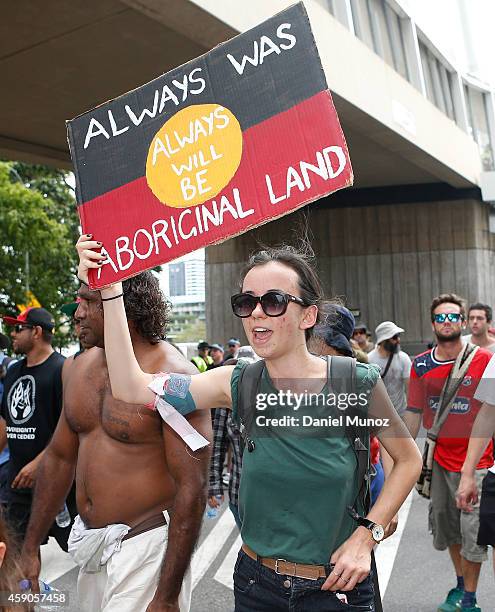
[{"x": 259, "y": 589}]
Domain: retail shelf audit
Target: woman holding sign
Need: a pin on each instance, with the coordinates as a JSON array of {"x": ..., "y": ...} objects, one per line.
[{"x": 307, "y": 538}]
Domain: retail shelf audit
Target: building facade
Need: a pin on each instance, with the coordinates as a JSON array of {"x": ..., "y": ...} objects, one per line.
[
  {"x": 183, "y": 281},
  {"x": 420, "y": 131},
  {"x": 420, "y": 135}
]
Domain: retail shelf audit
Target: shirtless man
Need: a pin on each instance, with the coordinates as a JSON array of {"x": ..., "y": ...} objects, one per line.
[{"x": 129, "y": 468}]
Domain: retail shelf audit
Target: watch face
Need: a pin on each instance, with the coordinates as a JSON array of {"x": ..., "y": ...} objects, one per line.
[{"x": 377, "y": 532}]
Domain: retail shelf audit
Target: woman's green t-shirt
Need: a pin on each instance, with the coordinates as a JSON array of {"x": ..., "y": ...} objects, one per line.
[{"x": 299, "y": 480}]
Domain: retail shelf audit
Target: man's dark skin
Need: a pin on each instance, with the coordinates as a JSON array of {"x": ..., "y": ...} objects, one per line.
[{"x": 128, "y": 464}]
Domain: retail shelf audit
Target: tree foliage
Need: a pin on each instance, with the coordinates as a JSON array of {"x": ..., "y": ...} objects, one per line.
[
  {"x": 38, "y": 230},
  {"x": 190, "y": 329}
]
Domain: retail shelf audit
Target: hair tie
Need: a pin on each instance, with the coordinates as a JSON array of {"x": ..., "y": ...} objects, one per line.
[{"x": 112, "y": 298}]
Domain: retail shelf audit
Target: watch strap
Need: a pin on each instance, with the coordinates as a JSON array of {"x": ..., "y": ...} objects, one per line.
[
  {"x": 360, "y": 520},
  {"x": 366, "y": 523}
]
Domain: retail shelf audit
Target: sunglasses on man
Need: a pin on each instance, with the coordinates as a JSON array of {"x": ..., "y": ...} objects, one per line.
[
  {"x": 22, "y": 326},
  {"x": 453, "y": 317},
  {"x": 274, "y": 303}
]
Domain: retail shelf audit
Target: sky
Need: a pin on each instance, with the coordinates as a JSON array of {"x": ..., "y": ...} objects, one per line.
[{"x": 442, "y": 21}]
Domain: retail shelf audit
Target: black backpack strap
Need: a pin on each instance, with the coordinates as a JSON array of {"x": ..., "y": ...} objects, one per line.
[
  {"x": 376, "y": 586},
  {"x": 389, "y": 363},
  {"x": 341, "y": 374},
  {"x": 247, "y": 388}
]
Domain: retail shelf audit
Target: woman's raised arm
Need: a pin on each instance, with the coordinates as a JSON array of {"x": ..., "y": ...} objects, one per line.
[{"x": 128, "y": 381}]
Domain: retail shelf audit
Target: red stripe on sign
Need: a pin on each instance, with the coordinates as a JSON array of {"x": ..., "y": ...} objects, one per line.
[{"x": 288, "y": 160}]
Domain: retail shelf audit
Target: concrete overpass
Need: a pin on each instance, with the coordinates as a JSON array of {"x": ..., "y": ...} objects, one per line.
[{"x": 419, "y": 134}]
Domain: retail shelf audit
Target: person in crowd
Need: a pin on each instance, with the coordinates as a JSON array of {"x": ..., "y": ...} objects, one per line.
[
  {"x": 5, "y": 360},
  {"x": 300, "y": 547},
  {"x": 4, "y": 469},
  {"x": 233, "y": 346},
  {"x": 468, "y": 492},
  {"x": 360, "y": 335},
  {"x": 333, "y": 337},
  {"x": 30, "y": 410},
  {"x": 394, "y": 364},
  {"x": 433, "y": 391},
  {"x": 10, "y": 573},
  {"x": 479, "y": 321},
  {"x": 203, "y": 361},
  {"x": 246, "y": 352},
  {"x": 227, "y": 443},
  {"x": 5, "y": 363},
  {"x": 131, "y": 468},
  {"x": 226, "y": 435},
  {"x": 216, "y": 354}
]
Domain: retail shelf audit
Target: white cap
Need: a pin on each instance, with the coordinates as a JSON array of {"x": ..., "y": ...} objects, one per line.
[{"x": 387, "y": 330}]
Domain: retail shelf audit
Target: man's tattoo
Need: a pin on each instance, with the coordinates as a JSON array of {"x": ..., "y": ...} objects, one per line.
[{"x": 116, "y": 420}]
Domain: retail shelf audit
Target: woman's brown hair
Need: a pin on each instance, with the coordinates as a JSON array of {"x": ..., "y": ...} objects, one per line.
[
  {"x": 10, "y": 573},
  {"x": 302, "y": 262}
]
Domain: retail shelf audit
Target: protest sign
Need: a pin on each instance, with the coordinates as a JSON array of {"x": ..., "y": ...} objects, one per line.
[{"x": 242, "y": 135}]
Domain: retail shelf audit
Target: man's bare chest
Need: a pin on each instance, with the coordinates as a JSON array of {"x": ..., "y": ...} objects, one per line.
[{"x": 89, "y": 405}]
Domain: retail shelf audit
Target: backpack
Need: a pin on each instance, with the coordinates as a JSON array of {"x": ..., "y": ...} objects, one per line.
[
  {"x": 341, "y": 378},
  {"x": 342, "y": 372}
]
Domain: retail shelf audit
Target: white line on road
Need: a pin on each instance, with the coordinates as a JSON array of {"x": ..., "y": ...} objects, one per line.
[
  {"x": 386, "y": 552},
  {"x": 211, "y": 546},
  {"x": 225, "y": 572}
]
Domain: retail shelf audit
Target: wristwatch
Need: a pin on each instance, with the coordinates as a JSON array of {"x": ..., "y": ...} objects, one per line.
[{"x": 376, "y": 530}]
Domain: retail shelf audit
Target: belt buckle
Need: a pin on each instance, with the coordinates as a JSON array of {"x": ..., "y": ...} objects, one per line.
[{"x": 277, "y": 561}]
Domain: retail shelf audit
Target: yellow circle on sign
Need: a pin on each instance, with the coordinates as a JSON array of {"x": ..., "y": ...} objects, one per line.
[{"x": 194, "y": 155}]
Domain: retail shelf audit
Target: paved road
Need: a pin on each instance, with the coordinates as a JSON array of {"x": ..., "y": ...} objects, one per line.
[{"x": 413, "y": 576}]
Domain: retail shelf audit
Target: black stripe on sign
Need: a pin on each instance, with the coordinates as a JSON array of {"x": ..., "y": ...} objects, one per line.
[{"x": 284, "y": 78}]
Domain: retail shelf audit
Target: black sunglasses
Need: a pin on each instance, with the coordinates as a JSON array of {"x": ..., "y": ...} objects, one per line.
[
  {"x": 20, "y": 326},
  {"x": 274, "y": 303}
]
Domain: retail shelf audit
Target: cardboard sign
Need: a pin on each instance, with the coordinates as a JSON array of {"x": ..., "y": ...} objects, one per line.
[{"x": 229, "y": 141}]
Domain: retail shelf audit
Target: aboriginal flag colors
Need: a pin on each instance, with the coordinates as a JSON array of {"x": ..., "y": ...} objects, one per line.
[{"x": 242, "y": 135}]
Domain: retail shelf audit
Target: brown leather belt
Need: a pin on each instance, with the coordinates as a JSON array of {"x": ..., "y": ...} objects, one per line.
[
  {"x": 289, "y": 568},
  {"x": 147, "y": 525}
]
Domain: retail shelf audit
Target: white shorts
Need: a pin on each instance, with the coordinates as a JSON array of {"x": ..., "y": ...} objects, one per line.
[{"x": 128, "y": 581}]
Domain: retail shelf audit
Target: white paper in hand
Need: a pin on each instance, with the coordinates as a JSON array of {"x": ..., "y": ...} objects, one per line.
[{"x": 174, "y": 419}]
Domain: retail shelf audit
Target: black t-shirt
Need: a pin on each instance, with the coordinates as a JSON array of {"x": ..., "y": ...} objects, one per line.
[{"x": 31, "y": 407}]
